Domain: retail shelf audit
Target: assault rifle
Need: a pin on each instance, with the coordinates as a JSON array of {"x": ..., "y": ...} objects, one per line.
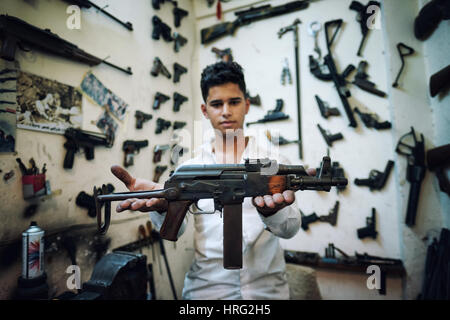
[
  {"x": 228, "y": 185},
  {"x": 415, "y": 172},
  {"x": 357, "y": 263},
  {"x": 248, "y": 16},
  {"x": 17, "y": 33}
]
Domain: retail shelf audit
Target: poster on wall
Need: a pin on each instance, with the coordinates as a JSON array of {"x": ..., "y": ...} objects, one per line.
[
  {"x": 47, "y": 105},
  {"x": 96, "y": 91},
  {"x": 8, "y": 79}
]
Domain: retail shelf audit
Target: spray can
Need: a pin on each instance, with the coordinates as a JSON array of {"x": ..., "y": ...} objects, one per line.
[{"x": 32, "y": 252}]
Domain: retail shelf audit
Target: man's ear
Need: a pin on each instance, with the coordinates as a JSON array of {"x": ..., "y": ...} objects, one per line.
[
  {"x": 203, "y": 107},
  {"x": 247, "y": 105}
]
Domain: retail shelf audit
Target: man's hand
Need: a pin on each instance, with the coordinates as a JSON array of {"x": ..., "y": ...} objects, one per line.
[
  {"x": 270, "y": 204},
  {"x": 138, "y": 184}
]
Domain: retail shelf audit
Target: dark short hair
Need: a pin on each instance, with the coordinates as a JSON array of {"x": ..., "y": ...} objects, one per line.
[{"x": 222, "y": 73}]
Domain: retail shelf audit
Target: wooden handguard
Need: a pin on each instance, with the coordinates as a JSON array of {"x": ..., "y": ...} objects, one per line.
[{"x": 174, "y": 218}]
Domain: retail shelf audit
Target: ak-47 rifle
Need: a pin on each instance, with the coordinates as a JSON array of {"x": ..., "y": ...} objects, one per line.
[
  {"x": 17, "y": 33},
  {"x": 228, "y": 185},
  {"x": 248, "y": 16}
]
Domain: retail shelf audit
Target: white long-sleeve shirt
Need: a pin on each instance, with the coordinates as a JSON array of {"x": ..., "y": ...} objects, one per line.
[{"x": 263, "y": 274}]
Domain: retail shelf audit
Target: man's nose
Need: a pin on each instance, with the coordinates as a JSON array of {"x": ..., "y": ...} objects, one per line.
[{"x": 226, "y": 110}]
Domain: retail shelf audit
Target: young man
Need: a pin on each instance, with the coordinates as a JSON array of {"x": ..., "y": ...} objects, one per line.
[{"x": 265, "y": 219}]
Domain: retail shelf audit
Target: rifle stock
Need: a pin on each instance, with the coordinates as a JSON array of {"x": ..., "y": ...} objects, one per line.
[
  {"x": 217, "y": 31},
  {"x": 174, "y": 218}
]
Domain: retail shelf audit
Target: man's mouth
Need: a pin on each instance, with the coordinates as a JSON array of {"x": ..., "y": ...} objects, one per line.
[{"x": 227, "y": 122}]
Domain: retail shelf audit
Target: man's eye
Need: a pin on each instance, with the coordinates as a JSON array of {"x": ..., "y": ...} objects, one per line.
[{"x": 235, "y": 102}]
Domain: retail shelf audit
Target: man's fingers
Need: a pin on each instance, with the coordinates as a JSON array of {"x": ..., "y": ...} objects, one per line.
[
  {"x": 123, "y": 175},
  {"x": 269, "y": 201},
  {"x": 278, "y": 198},
  {"x": 289, "y": 196},
  {"x": 259, "y": 201}
]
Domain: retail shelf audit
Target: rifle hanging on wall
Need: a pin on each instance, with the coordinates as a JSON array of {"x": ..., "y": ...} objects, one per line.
[{"x": 246, "y": 17}]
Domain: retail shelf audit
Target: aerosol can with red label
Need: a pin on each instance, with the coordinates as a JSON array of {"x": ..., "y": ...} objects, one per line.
[
  {"x": 32, "y": 284},
  {"x": 32, "y": 252}
]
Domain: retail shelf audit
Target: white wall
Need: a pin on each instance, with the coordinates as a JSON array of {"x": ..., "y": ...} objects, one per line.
[
  {"x": 257, "y": 48},
  {"x": 102, "y": 37}
]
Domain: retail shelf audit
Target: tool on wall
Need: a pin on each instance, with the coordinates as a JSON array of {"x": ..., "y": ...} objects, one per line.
[
  {"x": 403, "y": 51},
  {"x": 294, "y": 28}
]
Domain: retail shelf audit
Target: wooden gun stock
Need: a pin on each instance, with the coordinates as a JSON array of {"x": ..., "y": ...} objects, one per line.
[{"x": 174, "y": 218}]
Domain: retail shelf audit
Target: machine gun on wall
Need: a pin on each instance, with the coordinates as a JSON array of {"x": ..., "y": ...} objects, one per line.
[{"x": 249, "y": 16}]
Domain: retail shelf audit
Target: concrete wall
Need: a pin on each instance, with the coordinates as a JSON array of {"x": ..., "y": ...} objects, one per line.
[{"x": 258, "y": 49}]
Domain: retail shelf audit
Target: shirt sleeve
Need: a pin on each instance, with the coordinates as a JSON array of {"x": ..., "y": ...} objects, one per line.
[{"x": 285, "y": 223}]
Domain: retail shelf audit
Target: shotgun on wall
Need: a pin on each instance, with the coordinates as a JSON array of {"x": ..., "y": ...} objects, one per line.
[
  {"x": 248, "y": 16},
  {"x": 15, "y": 32},
  {"x": 227, "y": 185}
]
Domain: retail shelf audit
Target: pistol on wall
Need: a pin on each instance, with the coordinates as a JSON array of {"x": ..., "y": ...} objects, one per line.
[
  {"x": 159, "y": 170},
  {"x": 272, "y": 115},
  {"x": 178, "y": 70},
  {"x": 328, "y": 137},
  {"x": 225, "y": 55},
  {"x": 370, "y": 229},
  {"x": 256, "y": 100},
  {"x": 161, "y": 125},
  {"x": 161, "y": 29},
  {"x": 141, "y": 118},
  {"x": 158, "y": 151},
  {"x": 160, "y": 98},
  {"x": 361, "y": 81},
  {"x": 331, "y": 218},
  {"x": 325, "y": 110},
  {"x": 370, "y": 120},
  {"x": 131, "y": 147},
  {"x": 178, "y": 100},
  {"x": 158, "y": 67},
  {"x": 377, "y": 179},
  {"x": 179, "y": 41}
]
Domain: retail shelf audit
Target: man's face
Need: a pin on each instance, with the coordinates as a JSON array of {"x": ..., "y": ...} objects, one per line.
[{"x": 226, "y": 107}]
